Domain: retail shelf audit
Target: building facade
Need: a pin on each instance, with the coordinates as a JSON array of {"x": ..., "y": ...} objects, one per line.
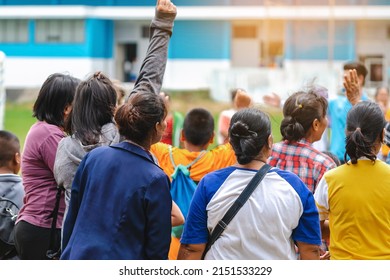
[{"x": 260, "y": 45}]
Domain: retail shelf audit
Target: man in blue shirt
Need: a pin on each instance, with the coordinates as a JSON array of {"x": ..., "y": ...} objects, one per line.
[{"x": 338, "y": 109}]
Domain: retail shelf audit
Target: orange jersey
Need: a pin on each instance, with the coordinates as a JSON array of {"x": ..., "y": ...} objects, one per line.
[{"x": 219, "y": 157}]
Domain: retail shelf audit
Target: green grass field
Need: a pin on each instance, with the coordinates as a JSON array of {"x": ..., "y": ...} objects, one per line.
[
  {"x": 18, "y": 116},
  {"x": 18, "y": 119}
]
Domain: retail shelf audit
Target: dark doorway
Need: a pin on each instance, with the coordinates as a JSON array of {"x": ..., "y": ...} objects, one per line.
[{"x": 129, "y": 61}]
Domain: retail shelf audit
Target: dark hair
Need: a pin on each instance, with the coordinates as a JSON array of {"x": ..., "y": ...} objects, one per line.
[
  {"x": 365, "y": 124},
  {"x": 198, "y": 126},
  {"x": 299, "y": 111},
  {"x": 94, "y": 105},
  {"x": 136, "y": 119},
  {"x": 248, "y": 132},
  {"x": 9, "y": 146},
  {"x": 361, "y": 70},
  {"x": 233, "y": 93},
  {"x": 55, "y": 95},
  {"x": 333, "y": 157}
]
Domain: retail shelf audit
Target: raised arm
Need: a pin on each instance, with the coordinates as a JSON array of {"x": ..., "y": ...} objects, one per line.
[
  {"x": 351, "y": 85},
  {"x": 153, "y": 67}
]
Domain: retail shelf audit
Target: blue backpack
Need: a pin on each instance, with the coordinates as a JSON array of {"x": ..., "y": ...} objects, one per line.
[{"x": 182, "y": 188}]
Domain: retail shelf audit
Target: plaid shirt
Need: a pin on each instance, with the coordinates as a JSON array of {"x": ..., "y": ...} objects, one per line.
[{"x": 303, "y": 160}]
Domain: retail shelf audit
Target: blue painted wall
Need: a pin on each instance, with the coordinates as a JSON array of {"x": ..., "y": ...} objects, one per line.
[
  {"x": 308, "y": 40},
  {"x": 98, "y": 43},
  {"x": 201, "y": 40}
]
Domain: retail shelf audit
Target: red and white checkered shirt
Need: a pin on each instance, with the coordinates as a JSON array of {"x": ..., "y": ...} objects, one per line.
[{"x": 302, "y": 159}]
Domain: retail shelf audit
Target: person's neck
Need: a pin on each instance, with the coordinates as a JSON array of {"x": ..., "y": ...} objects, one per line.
[
  {"x": 144, "y": 147},
  {"x": 256, "y": 163},
  {"x": 6, "y": 170},
  {"x": 193, "y": 148}
]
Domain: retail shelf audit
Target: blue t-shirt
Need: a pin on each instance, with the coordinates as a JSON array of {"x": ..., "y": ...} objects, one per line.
[{"x": 338, "y": 110}]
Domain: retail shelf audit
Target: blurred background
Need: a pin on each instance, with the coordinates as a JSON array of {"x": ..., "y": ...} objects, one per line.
[{"x": 262, "y": 46}]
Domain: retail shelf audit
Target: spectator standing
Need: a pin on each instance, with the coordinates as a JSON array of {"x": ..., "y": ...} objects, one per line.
[
  {"x": 33, "y": 226},
  {"x": 354, "y": 196},
  {"x": 279, "y": 212}
]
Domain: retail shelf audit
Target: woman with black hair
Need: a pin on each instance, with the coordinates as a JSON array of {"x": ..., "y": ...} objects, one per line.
[
  {"x": 303, "y": 124},
  {"x": 120, "y": 205},
  {"x": 91, "y": 123},
  {"x": 280, "y": 212},
  {"x": 32, "y": 230},
  {"x": 355, "y": 196}
]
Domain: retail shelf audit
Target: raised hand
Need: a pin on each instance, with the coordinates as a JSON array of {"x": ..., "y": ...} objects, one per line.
[
  {"x": 272, "y": 99},
  {"x": 351, "y": 85},
  {"x": 166, "y": 6}
]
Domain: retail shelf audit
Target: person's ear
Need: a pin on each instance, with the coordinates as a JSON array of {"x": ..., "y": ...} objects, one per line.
[
  {"x": 67, "y": 110},
  {"x": 315, "y": 125},
  {"x": 383, "y": 136},
  {"x": 160, "y": 127},
  {"x": 182, "y": 137},
  {"x": 361, "y": 80},
  {"x": 270, "y": 141},
  {"x": 16, "y": 162},
  {"x": 211, "y": 141}
]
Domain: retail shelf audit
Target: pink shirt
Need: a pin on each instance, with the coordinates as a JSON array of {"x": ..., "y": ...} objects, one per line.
[{"x": 37, "y": 171}]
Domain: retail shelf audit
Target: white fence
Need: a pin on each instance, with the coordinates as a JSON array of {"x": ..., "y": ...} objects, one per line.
[
  {"x": 2, "y": 90},
  {"x": 261, "y": 81}
]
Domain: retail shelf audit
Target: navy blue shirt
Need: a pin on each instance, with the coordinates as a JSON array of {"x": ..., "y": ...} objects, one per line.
[{"x": 120, "y": 207}]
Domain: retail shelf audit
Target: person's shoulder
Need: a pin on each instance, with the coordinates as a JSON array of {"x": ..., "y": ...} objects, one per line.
[
  {"x": 220, "y": 173},
  {"x": 292, "y": 179}
]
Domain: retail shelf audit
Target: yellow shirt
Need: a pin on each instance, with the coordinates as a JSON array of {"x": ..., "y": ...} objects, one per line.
[
  {"x": 219, "y": 157},
  {"x": 356, "y": 199}
]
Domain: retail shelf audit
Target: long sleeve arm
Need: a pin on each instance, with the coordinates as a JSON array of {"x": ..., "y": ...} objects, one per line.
[{"x": 153, "y": 67}]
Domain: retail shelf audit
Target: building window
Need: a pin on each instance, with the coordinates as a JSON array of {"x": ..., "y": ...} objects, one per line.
[
  {"x": 13, "y": 31},
  {"x": 245, "y": 31},
  {"x": 59, "y": 31}
]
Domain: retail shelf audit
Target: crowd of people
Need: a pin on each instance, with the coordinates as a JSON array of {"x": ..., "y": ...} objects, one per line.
[{"x": 97, "y": 168}]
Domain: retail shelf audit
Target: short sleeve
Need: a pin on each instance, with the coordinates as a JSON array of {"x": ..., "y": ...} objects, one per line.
[{"x": 321, "y": 198}]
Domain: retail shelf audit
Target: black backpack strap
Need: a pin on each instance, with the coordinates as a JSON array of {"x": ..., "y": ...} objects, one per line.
[
  {"x": 54, "y": 252},
  {"x": 233, "y": 210}
]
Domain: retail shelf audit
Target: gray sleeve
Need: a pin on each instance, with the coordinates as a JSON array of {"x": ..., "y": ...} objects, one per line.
[
  {"x": 153, "y": 67},
  {"x": 64, "y": 169}
]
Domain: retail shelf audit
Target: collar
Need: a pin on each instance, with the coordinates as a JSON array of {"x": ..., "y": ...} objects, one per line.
[{"x": 134, "y": 149}]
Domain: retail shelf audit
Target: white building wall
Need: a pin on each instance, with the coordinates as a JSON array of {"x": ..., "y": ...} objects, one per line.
[
  {"x": 25, "y": 72},
  {"x": 192, "y": 74}
]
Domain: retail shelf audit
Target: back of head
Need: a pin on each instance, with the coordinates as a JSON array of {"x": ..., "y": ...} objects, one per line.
[
  {"x": 361, "y": 70},
  {"x": 198, "y": 127},
  {"x": 9, "y": 146},
  {"x": 56, "y": 93},
  {"x": 365, "y": 124},
  {"x": 137, "y": 118},
  {"x": 300, "y": 110},
  {"x": 233, "y": 93},
  {"x": 94, "y": 105},
  {"x": 333, "y": 157},
  {"x": 249, "y": 132}
]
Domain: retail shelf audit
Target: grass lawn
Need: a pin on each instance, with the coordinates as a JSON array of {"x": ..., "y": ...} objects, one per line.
[
  {"x": 18, "y": 119},
  {"x": 18, "y": 116}
]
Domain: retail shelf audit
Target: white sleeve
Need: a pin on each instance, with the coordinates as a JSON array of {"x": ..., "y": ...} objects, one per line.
[{"x": 321, "y": 198}]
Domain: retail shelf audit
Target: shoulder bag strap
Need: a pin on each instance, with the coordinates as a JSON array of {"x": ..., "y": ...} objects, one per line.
[
  {"x": 240, "y": 201},
  {"x": 200, "y": 155},
  {"x": 53, "y": 252}
]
